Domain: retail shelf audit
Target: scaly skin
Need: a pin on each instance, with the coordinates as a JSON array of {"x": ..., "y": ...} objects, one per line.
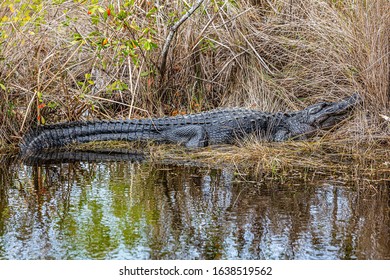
[{"x": 221, "y": 126}]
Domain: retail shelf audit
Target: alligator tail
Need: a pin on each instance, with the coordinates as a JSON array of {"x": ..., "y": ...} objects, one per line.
[{"x": 59, "y": 135}]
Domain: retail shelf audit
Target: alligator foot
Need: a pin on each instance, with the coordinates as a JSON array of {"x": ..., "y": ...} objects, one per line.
[{"x": 191, "y": 136}]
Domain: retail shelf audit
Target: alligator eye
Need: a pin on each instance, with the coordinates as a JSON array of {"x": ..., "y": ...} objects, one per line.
[{"x": 315, "y": 110}]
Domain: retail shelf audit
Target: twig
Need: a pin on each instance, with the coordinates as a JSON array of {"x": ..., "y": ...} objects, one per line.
[
  {"x": 117, "y": 102},
  {"x": 27, "y": 111},
  {"x": 132, "y": 89},
  {"x": 261, "y": 60},
  {"x": 386, "y": 118},
  {"x": 171, "y": 34}
]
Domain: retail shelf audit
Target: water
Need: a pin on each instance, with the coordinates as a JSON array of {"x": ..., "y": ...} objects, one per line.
[{"x": 144, "y": 210}]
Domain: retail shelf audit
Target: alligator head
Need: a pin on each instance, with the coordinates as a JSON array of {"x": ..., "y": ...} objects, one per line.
[{"x": 316, "y": 117}]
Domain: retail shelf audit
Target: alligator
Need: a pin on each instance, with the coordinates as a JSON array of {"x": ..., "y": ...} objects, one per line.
[{"x": 219, "y": 126}]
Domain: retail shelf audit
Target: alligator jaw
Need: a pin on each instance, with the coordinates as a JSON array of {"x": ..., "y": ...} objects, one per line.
[
  {"x": 333, "y": 113},
  {"x": 320, "y": 116}
]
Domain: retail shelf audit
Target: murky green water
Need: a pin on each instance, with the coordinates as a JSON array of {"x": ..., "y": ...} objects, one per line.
[{"x": 124, "y": 210}]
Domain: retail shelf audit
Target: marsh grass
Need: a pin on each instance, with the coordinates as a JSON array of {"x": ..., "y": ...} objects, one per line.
[
  {"x": 66, "y": 61},
  {"x": 341, "y": 162},
  {"x": 342, "y": 159}
]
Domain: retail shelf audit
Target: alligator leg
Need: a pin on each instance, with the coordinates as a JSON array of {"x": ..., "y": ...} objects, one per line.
[
  {"x": 281, "y": 135},
  {"x": 192, "y": 136},
  {"x": 284, "y": 135}
]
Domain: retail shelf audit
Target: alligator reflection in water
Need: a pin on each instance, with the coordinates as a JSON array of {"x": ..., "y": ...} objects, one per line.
[{"x": 123, "y": 210}]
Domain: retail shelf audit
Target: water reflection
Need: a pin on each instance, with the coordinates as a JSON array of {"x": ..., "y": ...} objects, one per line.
[{"x": 141, "y": 210}]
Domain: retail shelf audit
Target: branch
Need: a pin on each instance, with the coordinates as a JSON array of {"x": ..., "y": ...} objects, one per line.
[{"x": 171, "y": 34}]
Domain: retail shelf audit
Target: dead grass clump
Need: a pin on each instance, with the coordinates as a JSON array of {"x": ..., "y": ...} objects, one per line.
[{"x": 339, "y": 157}]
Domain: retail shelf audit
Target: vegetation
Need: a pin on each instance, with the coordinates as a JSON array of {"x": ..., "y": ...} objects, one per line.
[{"x": 65, "y": 60}]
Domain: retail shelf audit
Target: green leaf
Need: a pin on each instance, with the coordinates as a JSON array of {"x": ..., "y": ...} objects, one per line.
[
  {"x": 151, "y": 12},
  {"x": 121, "y": 15},
  {"x": 77, "y": 37},
  {"x": 39, "y": 95},
  {"x": 95, "y": 19},
  {"x": 52, "y": 104},
  {"x": 148, "y": 45}
]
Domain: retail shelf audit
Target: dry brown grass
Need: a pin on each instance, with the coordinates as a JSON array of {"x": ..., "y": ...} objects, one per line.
[
  {"x": 346, "y": 158},
  {"x": 269, "y": 54},
  {"x": 343, "y": 160}
]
